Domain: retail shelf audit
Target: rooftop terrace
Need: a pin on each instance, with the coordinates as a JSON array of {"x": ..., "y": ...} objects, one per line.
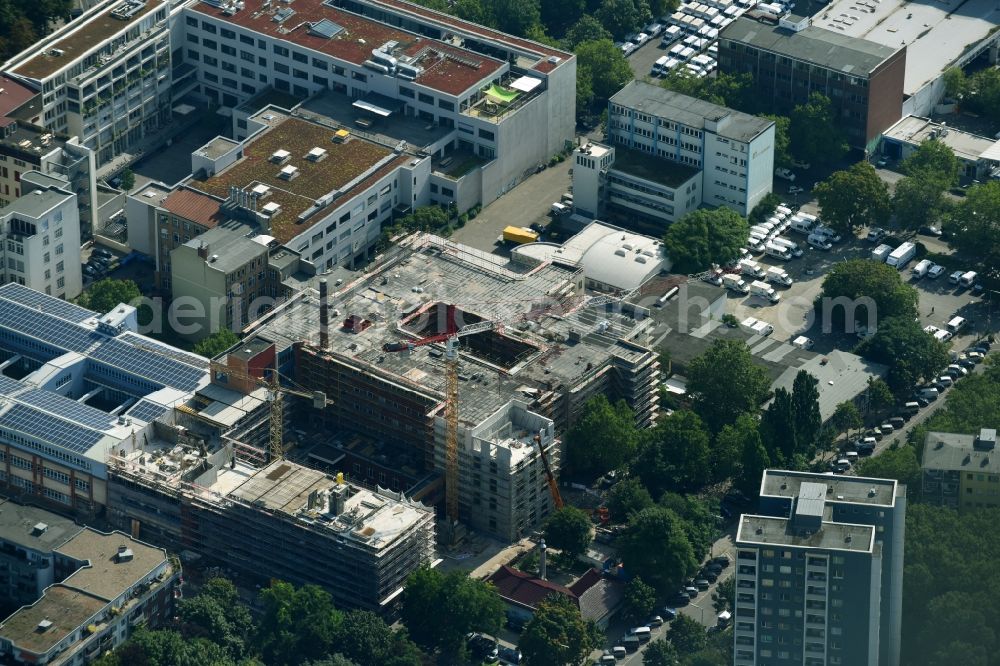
[
  {"x": 354, "y": 163},
  {"x": 446, "y": 68},
  {"x": 79, "y": 37},
  {"x": 654, "y": 169},
  {"x": 830, "y": 536}
]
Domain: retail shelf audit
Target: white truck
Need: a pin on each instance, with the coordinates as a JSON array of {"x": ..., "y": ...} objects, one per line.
[
  {"x": 968, "y": 279},
  {"x": 881, "y": 253},
  {"x": 901, "y": 255},
  {"x": 791, "y": 245},
  {"x": 777, "y": 251},
  {"x": 750, "y": 268},
  {"x": 802, "y": 225},
  {"x": 764, "y": 290},
  {"x": 735, "y": 283},
  {"x": 756, "y": 326},
  {"x": 778, "y": 276}
]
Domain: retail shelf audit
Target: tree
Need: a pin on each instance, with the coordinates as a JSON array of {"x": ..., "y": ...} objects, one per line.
[
  {"x": 127, "y": 180},
  {"x": 733, "y": 90},
  {"x": 704, "y": 237},
  {"x": 217, "y": 614},
  {"x": 639, "y": 601},
  {"x": 853, "y": 198},
  {"x": 861, "y": 283},
  {"x": 601, "y": 71},
  {"x": 439, "y": 609},
  {"x": 935, "y": 159},
  {"x": 622, "y": 16},
  {"x": 782, "y": 142},
  {"x": 656, "y": 547},
  {"x": 568, "y": 529},
  {"x": 216, "y": 343},
  {"x": 879, "y": 394},
  {"x": 603, "y": 438},
  {"x": 729, "y": 445},
  {"x": 910, "y": 353},
  {"x": 166, "y": 648},
  {"x": 724, "y": 597},
  {"x": 698, "y": 519},
  {"x": 676, "y": 455},
  {"x": 724, "y": 382},
  {"x": 973, "y": 404},
  {"x": 899, "y": 463},
  {"x": 557, "y": 634},
  {"x": 815, "y": 134},
  {"x": 296, "y": 624},
  {"x": 586, "y": 29},
  {"x": 975, "y": 224},
  {"x": 954, "y": 82},
  {"x": 557, "y": 15},
  {"x": 982, "y": 93},
  {"x": 764, "y": 209},
  {"x": 846, "y": 417},
  {"x": 104, "y": 295},
  {"x": 660, "y": 653},
  {"x": 687, "y": 634},
  {"x": 471, "y": 10},
  {"x": 626, "y": 497},
  {"x": 365, "y": 638},
  {"x": 805, "y": 409},
  {"x": 919, "y": 201},
  {"x": 754, "y": 459},
  {"x": 515, "y": 16},
  {"x": 332, "y": 660},
  {"x": 777, "y": 428}
]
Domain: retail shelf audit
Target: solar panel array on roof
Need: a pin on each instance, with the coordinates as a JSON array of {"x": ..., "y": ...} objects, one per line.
[
  {"x": 148, "y": 364},
  {"x": 45, "y": 328},
  {"x": 44, "y": 303},
  {"x": 173, "y": 352},
  {"x": 40, "y": 425},
  {"x": 8, "y": 385},
  {"x": 67, "y": 408},
  {"x": 326, "y": 29},
  {"x": 146, "y": 411}
]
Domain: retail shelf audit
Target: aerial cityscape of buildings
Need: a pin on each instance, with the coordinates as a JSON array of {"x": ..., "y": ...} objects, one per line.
[{"x": 417, "y": 293}]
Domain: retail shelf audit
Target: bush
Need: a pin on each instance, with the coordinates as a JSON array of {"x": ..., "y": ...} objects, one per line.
[{"x": 462, "y": 220}]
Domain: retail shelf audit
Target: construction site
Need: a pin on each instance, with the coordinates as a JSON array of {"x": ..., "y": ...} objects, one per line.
[{"x": 459, "y": 365}]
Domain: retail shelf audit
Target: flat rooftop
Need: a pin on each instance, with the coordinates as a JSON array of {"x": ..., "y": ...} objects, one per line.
[
  {"x": 36, "y": 204},
  {"x": 192, "y": 205},
  {"x": 956, "y": 452},
  {"x": 916, "y": 129},
  {"x": 655, "y": 169},
  {"x": 105, "y": 577},
  {"x": 81, "y": 36},
  {"x": 446, "y": 68},
  {"x": 827, "y": 48},
  {"x": 935, "y": 33},
  {"x": 424, "y": 271},
  {"x": 354, "y": 163},
  {"x": 66, "y": 608},
  {"x": 690, "y": 111},
  {"x": 35, "y": 528},
  {"x": 217, "y": 147},
  {"x": 767, "y": 530},
  {"x": 850, "y": 489}
]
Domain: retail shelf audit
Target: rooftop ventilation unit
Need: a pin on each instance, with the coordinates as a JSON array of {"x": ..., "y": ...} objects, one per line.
[
  {"x": 44, "y": 625},
  {"x": 288, "y": 172},
  {"x": 271, "y": 208},
  {"x": 317, "y": 154},
  {"x": 261, "y": 190},
  {"x": 39, "y": 529},
  {"x": 124, "y": 554},
  {"x": 127, "y": 10},
  {"x": 283, "y": 15},
  {"x": 280, "y": 156},
  {"x": 341, "y": 136}
]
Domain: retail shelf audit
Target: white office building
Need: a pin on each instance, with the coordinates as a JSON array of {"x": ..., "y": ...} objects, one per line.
[
  {"x": 40, "y": 242},
  {"x": 673, "y": 153}
]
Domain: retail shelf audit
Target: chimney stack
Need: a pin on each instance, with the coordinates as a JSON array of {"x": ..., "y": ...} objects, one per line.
[
  {"x": 541, "y": 560},
  {"x": 324, "y": 316}
]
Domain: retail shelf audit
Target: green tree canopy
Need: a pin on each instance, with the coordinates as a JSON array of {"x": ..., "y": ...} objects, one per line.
[
  {"x": 933, "y": 158},
  {"x": 975, "y": 224},
  {"x": 687, "y": 634},
  {"x": 639, "y": 601},
  {"x": 621, "y": 17},
  {"x": 557, "y": 15},
  {"x": 655, "y": 546},
  {"x": 366, "y": 639},
  {"x": 217, "y": 614},
  {"x": 601, "y": 71},
  {"x": 972, "y": 404},
  {"x": 166, "y": 648},
  {"x": 777, "y": 428},
  {"x": 805, "y": 407},
  {"x": 899, "y": 463},
  {"x": 517, "y": 17},
  {"x": 724, "y": 89},
  {"x": 103, "y": 295},
  {"x": 954, "y": 82},
  {"x": 216, "y": 343},
  {"x": 879, "y": 394},
  {"x": 754, "y": 459},
  {"x": 568, "y": 529},
  {"x": 296, "y": 624},
  {"x": 815, "y": 134},
  {"x": 919, "y": 201},
  {"x": 626, "y": 497},
  {"x": 439, "y": 609},
  {"x": 982, "y": 93},
  {"x": 557, "y": 634},
  {"x": 724, "y": 597},
  {"x": 853, "y": 198},
  {"x": 724, "y": 382},
  {"x": 586, "y": 29},
  {"x": 698, "y": 520},
  {"x": 782, "y": 142},
  {"x": 849, "y": 284},
  {"x": 846, "y": 417},
  {"x": 910, "y": 353},
  {"x": 704, "y": 237},
  {"x": 660, "y": 652},
  {"x": 603, "y": 438},
  {"x": 727, "y": 451},
  {"x": 675, "y": 455}
]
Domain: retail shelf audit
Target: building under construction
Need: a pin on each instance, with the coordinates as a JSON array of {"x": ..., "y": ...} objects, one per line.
[{"x": 541, "y": 348}]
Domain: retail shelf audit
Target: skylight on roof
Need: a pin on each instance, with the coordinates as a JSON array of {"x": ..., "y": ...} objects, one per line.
[{"x": 325, "y": 28}]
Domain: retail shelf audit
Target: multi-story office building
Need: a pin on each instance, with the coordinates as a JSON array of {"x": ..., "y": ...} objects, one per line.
[
  {"x": 40, "y": 235},
  {"x": 28, "y": 537},
  {"x": 101, "y": 587},
  {"x": 790, "y": 61},
  {"x": 819, "y": 572},
  {"x": 961, "y": 471},
  {"x": 104, "y": 77},
  {"x": 671, "y": 153},
  {"x": 503, "y": 104}
]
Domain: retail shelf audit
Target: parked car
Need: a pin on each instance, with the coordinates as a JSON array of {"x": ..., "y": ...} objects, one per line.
[
  {"x": 679, "y": 599},
  {"x": 875, "y": 235},
  {"x": 708, "y": 575},
  {"x": 669, "y": 613},
  {"x": 691, "y": 591},
  {"x": 795, "y": 189},
  {"x": 785, "y": 174},
  {"x": 935, "y": 271},
  {"x": 955, "y": 277},
  {"x": 721, "y": 560},
  {"x": 101, "y": 252},
  {"x": 702, "y": 584},
  {"x": 931, "y": 329},
  {"x": 930, "y": 231}
]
